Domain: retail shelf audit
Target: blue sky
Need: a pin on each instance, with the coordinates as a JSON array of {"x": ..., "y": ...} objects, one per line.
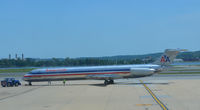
[{"x": 85, "y": 28}]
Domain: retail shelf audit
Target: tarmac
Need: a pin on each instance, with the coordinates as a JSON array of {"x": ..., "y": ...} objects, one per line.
[{"x": 160, "y": 92}]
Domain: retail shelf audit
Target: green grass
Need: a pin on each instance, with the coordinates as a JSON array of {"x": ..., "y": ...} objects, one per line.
[
  {"x": 15, "y": 70},
  {"x": 187, "y": 70},
  {"x": 182, "y": 73}
]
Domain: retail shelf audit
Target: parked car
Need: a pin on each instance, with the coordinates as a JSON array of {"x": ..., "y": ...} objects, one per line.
[{"x": 10, "y": 82}]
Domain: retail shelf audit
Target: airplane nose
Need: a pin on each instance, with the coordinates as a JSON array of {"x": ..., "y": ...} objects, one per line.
[{"x": 25, "y": 78}]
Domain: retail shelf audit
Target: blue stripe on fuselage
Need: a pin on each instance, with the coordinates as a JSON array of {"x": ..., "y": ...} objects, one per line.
[{"x": 77, "y": 71}]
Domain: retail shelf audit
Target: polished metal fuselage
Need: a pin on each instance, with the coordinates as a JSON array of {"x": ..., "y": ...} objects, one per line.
[{"x": 91, "y": 72}]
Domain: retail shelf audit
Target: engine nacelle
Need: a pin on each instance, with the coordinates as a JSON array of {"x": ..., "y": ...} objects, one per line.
[{"x": 142, "y": 71}]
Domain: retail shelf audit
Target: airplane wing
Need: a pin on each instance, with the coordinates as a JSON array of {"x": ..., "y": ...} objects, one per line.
[{"x": 104, "y": 76}]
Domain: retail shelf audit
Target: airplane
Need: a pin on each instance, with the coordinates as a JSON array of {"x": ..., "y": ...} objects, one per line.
[{"x": 106, "y": 73}]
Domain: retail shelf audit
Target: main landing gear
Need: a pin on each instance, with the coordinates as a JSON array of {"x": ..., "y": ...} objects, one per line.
[
  {"x": 29, "y": 83},
  {"x": 106, "y": 82}
]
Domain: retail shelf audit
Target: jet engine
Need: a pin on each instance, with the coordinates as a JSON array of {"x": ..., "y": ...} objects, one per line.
[{"x": 142, "y": 71}]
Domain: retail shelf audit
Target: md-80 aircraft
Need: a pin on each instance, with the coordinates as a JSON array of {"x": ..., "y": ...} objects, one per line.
[{"x": 106, "y": 73}]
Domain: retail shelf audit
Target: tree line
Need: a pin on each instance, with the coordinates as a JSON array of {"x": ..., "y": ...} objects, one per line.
[
  {"x": 93, "y": 61},
  {"x": 29, "y": 62}
]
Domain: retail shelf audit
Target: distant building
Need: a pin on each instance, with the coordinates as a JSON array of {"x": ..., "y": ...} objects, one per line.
[
  {"x": 178, "y": 60},
  {"x": 147, "y": 59}
]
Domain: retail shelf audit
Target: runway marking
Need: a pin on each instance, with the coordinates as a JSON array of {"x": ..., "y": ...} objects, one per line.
[{"x": 154, "y": 97}]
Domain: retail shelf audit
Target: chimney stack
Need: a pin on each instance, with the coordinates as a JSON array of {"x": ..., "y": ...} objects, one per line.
[
  {"x": 9, "y": 57},
  {"x": 22, "y": 56},
  {"x": 16, "y": 56}
]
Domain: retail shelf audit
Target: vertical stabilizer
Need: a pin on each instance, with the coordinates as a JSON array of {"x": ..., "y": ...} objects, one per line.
[{"x": 168, "y": 56}]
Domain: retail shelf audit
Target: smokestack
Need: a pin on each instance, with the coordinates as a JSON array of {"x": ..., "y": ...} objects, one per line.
[
  {"x": 16, "y": 56},
  {"x": 22, "y": 56},
  {"x": 9, "y": 56}
]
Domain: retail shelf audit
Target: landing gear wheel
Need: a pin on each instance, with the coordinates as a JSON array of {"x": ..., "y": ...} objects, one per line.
[
  {"x": 111, "y": 81},
  {"x": 29, "y": 83},
  {"x": 106, "y": 82}
]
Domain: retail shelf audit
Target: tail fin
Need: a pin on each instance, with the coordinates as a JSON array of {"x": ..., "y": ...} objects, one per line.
[{"x": 168, "y": 56}]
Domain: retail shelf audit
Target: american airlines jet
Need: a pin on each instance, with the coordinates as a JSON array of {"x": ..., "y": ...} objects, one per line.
[{"x": 106, "y": 73}]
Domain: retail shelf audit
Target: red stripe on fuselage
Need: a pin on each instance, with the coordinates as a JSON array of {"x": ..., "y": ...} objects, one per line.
[{"x": 78, "y": 74}]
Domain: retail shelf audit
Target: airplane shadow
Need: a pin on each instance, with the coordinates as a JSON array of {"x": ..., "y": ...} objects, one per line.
[
  {"x": 157, "y": 83},
  {"x": 102, "y": 85}
]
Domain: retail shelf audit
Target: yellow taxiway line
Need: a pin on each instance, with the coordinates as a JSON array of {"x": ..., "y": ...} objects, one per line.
[{"x": 154, "y": 97}]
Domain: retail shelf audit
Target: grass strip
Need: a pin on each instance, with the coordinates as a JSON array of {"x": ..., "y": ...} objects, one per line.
[
  {"x": 182, "y": 73},
  {"x": 187, "y": 70},
  {"x": 15, "y": 70}
]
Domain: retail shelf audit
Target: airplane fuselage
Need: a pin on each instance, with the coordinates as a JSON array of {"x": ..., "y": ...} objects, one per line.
[
  {"x": 92, "y": 72},
  {"x": 107, "y": 73}
]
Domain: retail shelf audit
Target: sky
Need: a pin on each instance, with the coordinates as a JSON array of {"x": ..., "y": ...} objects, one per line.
[{"x": 93, "y": 28}]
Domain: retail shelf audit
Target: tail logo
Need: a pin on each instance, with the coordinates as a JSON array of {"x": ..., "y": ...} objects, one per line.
[{"x": 165, "y": 59}]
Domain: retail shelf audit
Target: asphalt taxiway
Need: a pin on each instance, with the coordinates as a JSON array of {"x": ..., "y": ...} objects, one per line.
[{"x": 172, "y": 92}]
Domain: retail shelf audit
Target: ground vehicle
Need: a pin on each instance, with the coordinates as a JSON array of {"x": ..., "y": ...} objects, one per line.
[{"x": 10, "y": 82}]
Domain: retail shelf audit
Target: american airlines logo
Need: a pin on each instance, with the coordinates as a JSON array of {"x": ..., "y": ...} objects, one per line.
[{"x": 165, "y": 59}]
